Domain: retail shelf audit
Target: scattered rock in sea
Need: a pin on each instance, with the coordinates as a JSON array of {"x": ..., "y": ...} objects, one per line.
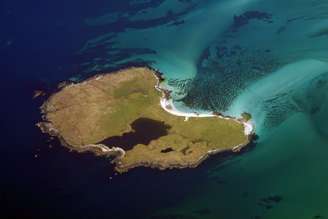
[
  {"x": 38, "y": 93},
  {"x": 270, "y": 201}
]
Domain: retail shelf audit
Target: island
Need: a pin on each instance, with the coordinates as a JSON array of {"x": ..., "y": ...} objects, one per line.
[{"x": 129, "y": 115}]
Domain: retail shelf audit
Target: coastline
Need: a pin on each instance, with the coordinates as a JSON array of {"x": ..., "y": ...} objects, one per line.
[{"x": 167, "y": 105}]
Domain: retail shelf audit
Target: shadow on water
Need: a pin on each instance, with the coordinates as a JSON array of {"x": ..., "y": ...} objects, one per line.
[{"x": 143, "y": 131}]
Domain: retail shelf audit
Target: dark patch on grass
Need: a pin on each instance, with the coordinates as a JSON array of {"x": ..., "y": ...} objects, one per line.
[
  {"x": 144, "y": 130},
  {"x": 167, "y": 150},
  {"x": 185, "y": 150}
]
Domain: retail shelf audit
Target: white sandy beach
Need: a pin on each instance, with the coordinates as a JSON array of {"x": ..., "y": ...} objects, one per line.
[{"x": 169, "y": 107}]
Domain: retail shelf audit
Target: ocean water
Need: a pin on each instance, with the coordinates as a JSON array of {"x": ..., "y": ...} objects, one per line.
[{"x": 265, "y": 57}]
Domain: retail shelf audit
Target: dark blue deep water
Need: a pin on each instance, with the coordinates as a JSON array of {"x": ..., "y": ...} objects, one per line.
[
  {"x": 266, "y": 57},
  {"x": 38, "y": 45}
]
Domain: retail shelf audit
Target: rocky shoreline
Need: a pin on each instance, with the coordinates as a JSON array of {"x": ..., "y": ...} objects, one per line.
[
  {"x": 123, "y": 169},
  {"x": 118, "y": 153}
]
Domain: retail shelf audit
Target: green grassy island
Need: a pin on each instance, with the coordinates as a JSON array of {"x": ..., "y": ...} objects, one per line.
[{"x": 120, "y": 115}]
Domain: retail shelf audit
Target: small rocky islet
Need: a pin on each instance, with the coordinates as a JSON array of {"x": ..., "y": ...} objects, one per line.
[{"x": 129, "y": 115}]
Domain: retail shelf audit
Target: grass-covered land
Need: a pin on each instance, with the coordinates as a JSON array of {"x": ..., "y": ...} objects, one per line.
[
  {"x": 105, "y": 106},
  {"x": 246, "y": 116}
]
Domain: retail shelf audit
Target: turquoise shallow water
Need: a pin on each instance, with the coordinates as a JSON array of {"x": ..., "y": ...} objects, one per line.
[
  {"x": 290, "y": 163},
  {"x": 266, "y": 57}
]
